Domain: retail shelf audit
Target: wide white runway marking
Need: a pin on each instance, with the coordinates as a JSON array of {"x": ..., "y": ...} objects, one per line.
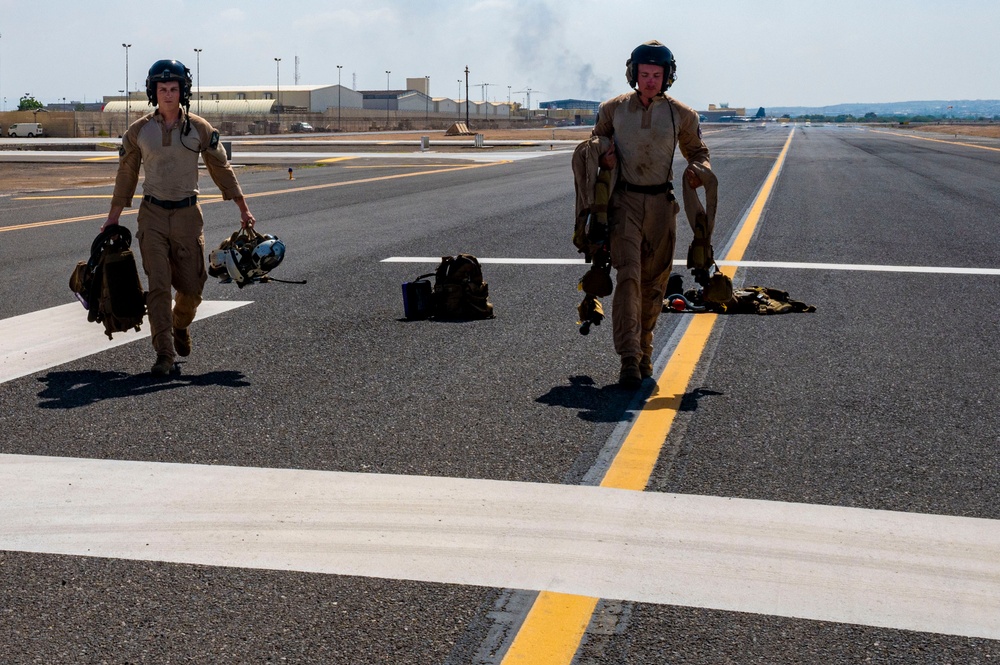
[
  {"x": 898, "y": 570},
  {"x": 680, "y": 261},
  {"x": 34, "y": 342}
]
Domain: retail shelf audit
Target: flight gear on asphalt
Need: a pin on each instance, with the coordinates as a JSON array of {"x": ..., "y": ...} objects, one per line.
[
  {"x": 459, "y": 289},
  {"x": 108, "y": 283},
  {"x": 745, "y": 300},
  {"x": 418, "y": 298}
]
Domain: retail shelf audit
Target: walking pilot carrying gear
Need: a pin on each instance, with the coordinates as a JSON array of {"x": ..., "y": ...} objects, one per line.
[
  {"x": 639, "y": 133},
  {"x": 165, "y": 147}
]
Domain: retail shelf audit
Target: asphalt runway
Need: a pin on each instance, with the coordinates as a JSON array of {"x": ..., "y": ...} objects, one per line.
[{"x": 882, "y": 400}]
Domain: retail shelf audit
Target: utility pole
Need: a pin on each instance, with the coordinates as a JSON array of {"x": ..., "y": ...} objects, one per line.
[
  {"x": 427, "y": 100},
  {"x": 466, "y": 95}
]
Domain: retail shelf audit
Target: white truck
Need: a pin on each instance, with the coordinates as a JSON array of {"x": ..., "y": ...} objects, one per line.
[{"x": 28, "y": 129}]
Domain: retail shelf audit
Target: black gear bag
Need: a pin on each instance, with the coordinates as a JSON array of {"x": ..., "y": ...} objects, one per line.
[
  {"x": 459, "y": 292},
  {"x": 108, "y": 284}
]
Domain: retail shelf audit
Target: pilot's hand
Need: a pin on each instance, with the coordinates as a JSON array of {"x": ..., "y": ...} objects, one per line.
[
  {"x": 692, "y": 178},
  {"x": 608, "y": 159}
]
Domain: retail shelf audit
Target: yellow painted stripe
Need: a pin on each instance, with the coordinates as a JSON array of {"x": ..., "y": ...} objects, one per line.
[
  {"x": 551, "y": 633},
  {"x": 331, "y": 160},
  {"x": 70, "y": 220},
  {"x": 634, "y": 463},
  {"x": 109, "y": 158},
  {"x": 927, "y": 138}
]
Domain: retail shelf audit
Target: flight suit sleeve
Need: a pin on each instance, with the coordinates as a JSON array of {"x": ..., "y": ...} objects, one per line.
[
  {"x": 689, "y": 138},
  {"x": 605, "y": 118},
  {"x": 129, "y": 160},
  {"x": 214, "y": 156}
]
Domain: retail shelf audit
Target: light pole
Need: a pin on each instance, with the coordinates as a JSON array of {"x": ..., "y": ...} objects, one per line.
[
  {"x": 427, "y": 100},
  {"x": 466, "y": 95},
  {"x": 127, "y": 105},
  {"x": 387, "y": 72},
  {"x": 339, "y": 67},
  {"x": 277, "y": 85},
  {"x": 198, "y": 66}
]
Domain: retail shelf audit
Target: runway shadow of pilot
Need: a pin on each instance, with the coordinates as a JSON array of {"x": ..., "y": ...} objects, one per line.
[
  {"x": 608, "y": 403},
  {"x": 69, "y": 390},
  {"x": 604, "y": 404}
]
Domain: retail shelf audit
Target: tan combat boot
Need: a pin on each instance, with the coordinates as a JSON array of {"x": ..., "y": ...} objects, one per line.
[
  {"x": 630, "y": 376},
  {"x": 182, "y": 342},
  {"x": 646, "y": 367},
  {"x": 164, "y": 365}
]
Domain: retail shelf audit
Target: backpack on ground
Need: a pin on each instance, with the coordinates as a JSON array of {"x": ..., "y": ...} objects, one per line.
[
  {"x": 108, "y": 283},
  {"x": 459, "y": 292},
  {"x": 459, "y": 289}
]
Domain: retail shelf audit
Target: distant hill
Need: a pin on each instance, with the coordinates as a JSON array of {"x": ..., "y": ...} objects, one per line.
[{"x": 958, "y": 108}]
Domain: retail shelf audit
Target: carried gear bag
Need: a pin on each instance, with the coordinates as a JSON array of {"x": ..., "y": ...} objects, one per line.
[
  {"x": 246, "y": 257},
  {"x": 108, "y": 283},
  {"x": 459, "y": 289}
]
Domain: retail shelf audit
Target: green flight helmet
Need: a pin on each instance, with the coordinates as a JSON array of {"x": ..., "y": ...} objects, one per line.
[{"x": 651, "y": 53}]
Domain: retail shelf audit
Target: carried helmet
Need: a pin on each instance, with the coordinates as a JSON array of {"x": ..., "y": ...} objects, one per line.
[
  {"x": 163, "y": 71},
  {"x": 651, "y": 53},
  {"x": 246, "y": 257}
]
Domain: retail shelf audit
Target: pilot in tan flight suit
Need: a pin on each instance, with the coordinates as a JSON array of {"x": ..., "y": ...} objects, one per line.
[
  {"x": 645, "y": 127},
  {"x": 167, "y": 143}
]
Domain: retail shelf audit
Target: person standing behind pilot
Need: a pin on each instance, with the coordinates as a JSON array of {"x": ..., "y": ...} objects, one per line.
[
  {"x": 645, "y": 127},
  {"x": 167, "y": 143}
]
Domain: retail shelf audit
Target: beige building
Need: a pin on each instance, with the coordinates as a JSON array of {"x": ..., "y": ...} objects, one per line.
[{"x": 253, "y": 100}]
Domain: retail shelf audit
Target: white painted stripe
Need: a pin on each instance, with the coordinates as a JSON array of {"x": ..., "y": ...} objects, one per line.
[
  {"x": 34, "y": 342},
  {"x": 437, "y": 259},
  {"x": 898, "y": 570},
  {"x": 679, "y": 261}
]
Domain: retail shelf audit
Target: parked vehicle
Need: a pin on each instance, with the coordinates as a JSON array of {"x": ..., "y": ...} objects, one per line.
[
  {"x": 28, "y": 129},
  {"x": 302, "y": 127}
]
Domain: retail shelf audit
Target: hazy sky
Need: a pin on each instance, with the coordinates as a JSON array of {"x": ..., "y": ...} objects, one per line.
[{"x": 767, "y": 53}]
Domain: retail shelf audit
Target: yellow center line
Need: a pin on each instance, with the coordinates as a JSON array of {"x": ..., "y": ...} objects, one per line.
[
  {"x": 927, "y": 138},
  {"x": 556, "y": 622},
  {"x": 331, "y": 160},
  {"x": 217, "y": 199}
]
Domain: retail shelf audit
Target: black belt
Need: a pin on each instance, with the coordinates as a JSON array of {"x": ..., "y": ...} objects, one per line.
[
  {"x": 171, "y": 205},
  {"x": 665, "y": 188}
]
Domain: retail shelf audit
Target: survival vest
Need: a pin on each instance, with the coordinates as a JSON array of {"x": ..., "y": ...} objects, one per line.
[
  {"x": 459, "y": 289},
  {"x": 108, "y": 283}
]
